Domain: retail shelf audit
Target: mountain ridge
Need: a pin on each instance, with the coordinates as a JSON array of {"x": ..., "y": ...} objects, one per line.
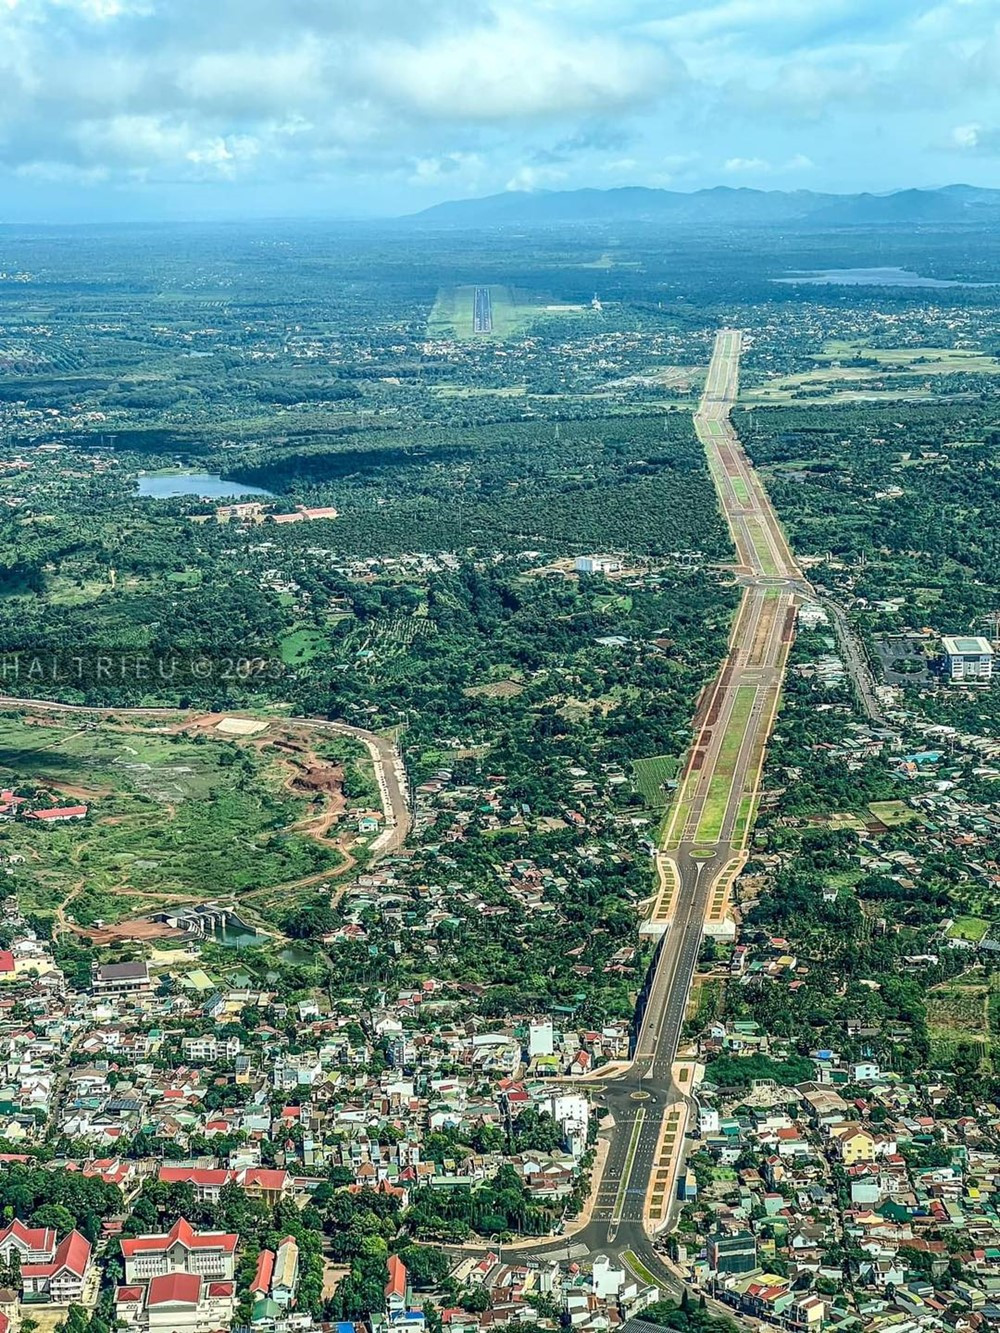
[{"x": 719, "y": 204}]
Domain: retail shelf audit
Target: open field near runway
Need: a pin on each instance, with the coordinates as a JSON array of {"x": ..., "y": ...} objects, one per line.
[
  {"x": 511, "y": 312},
  {"x": 889, "y": 373}
]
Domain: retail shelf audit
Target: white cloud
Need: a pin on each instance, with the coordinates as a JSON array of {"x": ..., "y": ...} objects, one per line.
[
  {"x": 518, "y": 68},
  {"x": 746, "y": 164},
  {"x": 467, "y": 95},
  {"x": 983, "y": 140},
  {"x": 536, "y": 178}
]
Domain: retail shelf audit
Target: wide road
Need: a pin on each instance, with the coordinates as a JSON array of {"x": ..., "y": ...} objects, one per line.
[{"x": 705, "y": 842}]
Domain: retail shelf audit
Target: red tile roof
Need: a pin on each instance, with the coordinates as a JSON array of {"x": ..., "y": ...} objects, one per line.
[
  {"x": 262, "y": 1278},
  {"x": 183, "y": 1232},
  {"x": 396, "y": 1286},
  {"x": 38, "y": 1239},
  {"x": 190, "y": 1175},
  {"x": 180, "y": 1287},
  {"x": 72, "y": 1254}
]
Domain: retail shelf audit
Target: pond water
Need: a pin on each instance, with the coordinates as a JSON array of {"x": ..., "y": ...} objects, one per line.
[
  {"x": 871, "y": 277},
  {"x": 296, "y": 954},
  {"x": 207, "y": 485},
  {"x": 231, "y": 937}
]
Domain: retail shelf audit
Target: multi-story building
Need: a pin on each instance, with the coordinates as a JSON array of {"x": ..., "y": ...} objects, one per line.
[
  {"x": 121, "y": 979},
  {"x": 968, "y": 657},
  {"x": 207, "y": 1254},
  {"x": 61, "y": 1274},
  {"x": 734, "y": 1252}
]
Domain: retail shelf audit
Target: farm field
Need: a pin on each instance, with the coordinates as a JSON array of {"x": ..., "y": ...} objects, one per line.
[
  {"x": 650, "y": 775},
  {"x": 171, "y": 815},
  {"x": 970, "y": 928},
  {"x": 893, "y": 813},
  {"x": 891, "y": 373},
  {"x": 958, "y": 1016}
]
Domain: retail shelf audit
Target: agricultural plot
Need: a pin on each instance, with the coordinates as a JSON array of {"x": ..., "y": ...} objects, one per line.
[
  {"x": 850, "y": 371},
  {"x": 972, "y": 929},
  {"x": 650, "y": 776},
  {"x": 958, "y": 1017}
]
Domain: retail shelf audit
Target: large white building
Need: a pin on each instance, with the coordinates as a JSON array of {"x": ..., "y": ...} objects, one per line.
[
  {"x": 968, "y": 657},
  {"x": 208, "y": 1254},
  {"x": 541, "y": 1038},
  {"x": 597, "y": 564}
]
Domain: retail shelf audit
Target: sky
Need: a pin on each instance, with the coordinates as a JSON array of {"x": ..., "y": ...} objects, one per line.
[{"x": 203, "y": 109}]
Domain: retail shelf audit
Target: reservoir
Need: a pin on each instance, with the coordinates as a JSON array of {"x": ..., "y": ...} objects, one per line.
[
  {"x": 872, "y": 277},
  {"x": 206, "y": 485}
]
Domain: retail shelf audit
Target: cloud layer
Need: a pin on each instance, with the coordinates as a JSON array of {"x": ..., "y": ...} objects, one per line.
[{"x": 398, "y": 102}]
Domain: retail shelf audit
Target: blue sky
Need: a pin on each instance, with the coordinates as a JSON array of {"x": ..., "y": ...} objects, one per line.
[{"x": 227, "y": 108}]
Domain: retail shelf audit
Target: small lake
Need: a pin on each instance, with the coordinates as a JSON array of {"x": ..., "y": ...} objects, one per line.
[
  {"x": 206, "y": 485},
  {"x": 231, "y": 937},
  {"x": 871, "y": 277}
]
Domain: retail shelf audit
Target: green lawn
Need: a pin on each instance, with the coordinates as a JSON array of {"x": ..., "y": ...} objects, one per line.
[
  {"x": 301, "y": 645},
  {"x": 971, "y": 928},
  {"x": 893, "y": 813}
]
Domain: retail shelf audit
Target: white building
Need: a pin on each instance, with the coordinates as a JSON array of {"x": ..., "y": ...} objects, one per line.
[
  {"x": 541, "y": 1038},
  {"x": 572, "y": 1112},
  {"x": 708, "y": 1120},
  {"x": 968, "y": 657},
  {"x": 597, "y": 564},
  {"x": 607, "y": 1277},
  {"x": 211, "y": 1255}
]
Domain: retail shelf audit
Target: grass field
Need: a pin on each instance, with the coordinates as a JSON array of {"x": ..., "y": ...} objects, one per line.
[
  {"x": 301, "y": 646},
  {"x": 843, "y": 382},
  {"x": 513, "y": 312},
  {"x": 167, "y": 815},
  {"x": 971, "y": 928},
  {"x": 649, "y": 775},
  {"x": 893, "y": 813}
]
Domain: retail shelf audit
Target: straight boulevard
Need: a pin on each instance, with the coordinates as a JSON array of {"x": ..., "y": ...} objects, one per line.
[{"x": 704, "y": 846}]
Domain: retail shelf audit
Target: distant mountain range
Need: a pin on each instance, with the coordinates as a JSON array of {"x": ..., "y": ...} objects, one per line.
[{"x": 721, "y": 205}]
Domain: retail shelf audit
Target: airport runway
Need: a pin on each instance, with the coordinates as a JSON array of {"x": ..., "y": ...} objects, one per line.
[{"x": 482, "y": 312}]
